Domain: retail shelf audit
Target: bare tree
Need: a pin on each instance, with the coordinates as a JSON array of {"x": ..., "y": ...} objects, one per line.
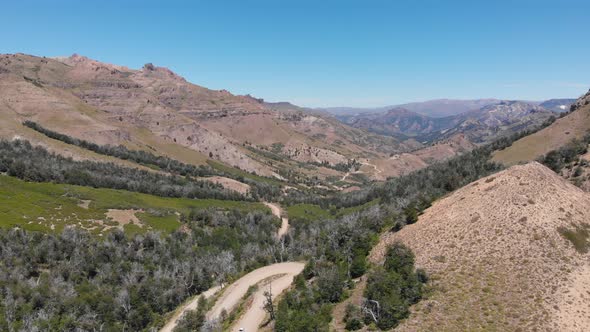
[
  {"x": 372, "y": 309},
  {"x": 268, "y": 306}
]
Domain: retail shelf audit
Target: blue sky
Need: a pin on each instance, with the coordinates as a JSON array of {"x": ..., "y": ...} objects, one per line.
[{"x": 326, "y": 53}]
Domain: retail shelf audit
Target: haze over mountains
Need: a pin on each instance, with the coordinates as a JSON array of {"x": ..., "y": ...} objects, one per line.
[
  {"x": 433, "y": 108},
  {"x": 439, "y": 108},
  {"x": 480, "y": 125}
]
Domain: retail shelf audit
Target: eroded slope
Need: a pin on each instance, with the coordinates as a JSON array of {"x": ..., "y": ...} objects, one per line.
[{"x": 498, "y": 257}]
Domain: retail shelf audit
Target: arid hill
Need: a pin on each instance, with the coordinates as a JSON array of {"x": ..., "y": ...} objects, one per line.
[
  {"x": 156, "y": 110},
  {"x": 574, "y": 125},
  {"x": 508, "y": 252},
  {"x": 405, "y": 163}
]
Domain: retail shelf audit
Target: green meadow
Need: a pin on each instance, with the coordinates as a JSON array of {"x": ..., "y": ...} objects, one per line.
[
  {"x": 50, "y": 207},
  {"x": 312, "y": 212}
]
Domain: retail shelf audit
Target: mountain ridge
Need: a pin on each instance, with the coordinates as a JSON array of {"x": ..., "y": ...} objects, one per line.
[{"x": 155, "y": 109}]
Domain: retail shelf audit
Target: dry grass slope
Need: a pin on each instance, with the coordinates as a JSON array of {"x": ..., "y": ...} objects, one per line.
[
  {"x": 573, "y": 125},
  {"x": 497, "y": 257},
  {"x": 156, "y": 110}
]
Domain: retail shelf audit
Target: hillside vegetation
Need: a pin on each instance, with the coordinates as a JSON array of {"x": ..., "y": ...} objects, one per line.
[
  {"x": 155, "y": 110},
  {"x": 576, "y": 124},
  {"x": 50, "y": 207},
  {"x": 505, "y": 252}
]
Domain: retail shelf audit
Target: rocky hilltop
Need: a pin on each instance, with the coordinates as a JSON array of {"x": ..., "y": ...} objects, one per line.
[{"x": 507, "y": 252}]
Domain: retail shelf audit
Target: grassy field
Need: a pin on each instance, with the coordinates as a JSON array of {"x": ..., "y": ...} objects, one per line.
[
  {"x": 311, "y": 212},
  {"x": 50, "y": 207}
]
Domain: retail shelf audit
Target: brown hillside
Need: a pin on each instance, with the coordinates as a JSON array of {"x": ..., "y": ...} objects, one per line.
[
  {"x": 154, "y": 109},
  {"x": 404, "y": 163},
  {"x": 574, "y": 125},
  {"x": 497, "y": 258}
]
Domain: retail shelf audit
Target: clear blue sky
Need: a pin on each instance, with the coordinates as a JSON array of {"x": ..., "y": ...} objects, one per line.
[{"x": 326, "y": 53}]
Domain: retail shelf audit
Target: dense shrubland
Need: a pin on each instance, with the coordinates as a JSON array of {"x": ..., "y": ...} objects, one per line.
[
  {"x": 337, "y": 250},
  {"x": 391, "y": 289},
  {"x": 74, "y": 281},
  {"x": 33, "y": 163},
  {"x": 259, "y": 189}
]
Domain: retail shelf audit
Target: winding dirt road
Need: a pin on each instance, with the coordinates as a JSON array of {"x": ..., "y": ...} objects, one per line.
[
  {"x": 191, "y": 305},
  {"x": 255, "y": 315},
  {"x": 349, "y": 173},
  {"x": 276, "y": 210},
  {"x": 233, "y": 293}
]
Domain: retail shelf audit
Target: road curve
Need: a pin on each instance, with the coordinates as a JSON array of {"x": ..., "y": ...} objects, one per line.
[
  {"x": 276, "y": 210},
  {"x": 191, "y": 305},
  {"x": 251, "y": 319},
  {"x": 233, "y": 293}
]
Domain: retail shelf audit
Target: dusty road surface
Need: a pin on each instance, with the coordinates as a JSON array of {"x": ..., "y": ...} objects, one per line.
[
  {"x": 233, "y": 293},
  {"x": 276, "y": 210},
  {"x": 254, "y": 316},
  {"x": 192, "y": 305}
]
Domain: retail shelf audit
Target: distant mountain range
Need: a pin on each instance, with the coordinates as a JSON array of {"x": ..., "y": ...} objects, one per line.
[
  {"x": 439, "y": 108},
  {"x": 480, "y": 125},
  {"x": 432, "y": 108},
  {"x": 558, "y": 105}
]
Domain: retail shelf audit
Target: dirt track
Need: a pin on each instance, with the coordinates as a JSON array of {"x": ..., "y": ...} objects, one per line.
[
  {"x": 191, "y": 305},
  {"x": 276, "y": 210},
  {"x": 233, "y": 293},
  {"x": 231, "y": 296},
  {"x": 255, "y": 315}
]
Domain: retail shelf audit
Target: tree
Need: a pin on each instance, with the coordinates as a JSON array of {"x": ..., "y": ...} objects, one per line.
[
  {"x": 268, "y": 305},
  {"x": 411, "y": 214},
  {"x": 393, "y": 288},
  {"x": 358, "y": 265}
]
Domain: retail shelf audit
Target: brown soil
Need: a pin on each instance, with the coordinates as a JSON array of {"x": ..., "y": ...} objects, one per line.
[
  {"x": 85, "y": 203},
  {"x": 229, "y": 184},
  {"x": 124, "y": 217},
  {"x": 496, "y": 258}
]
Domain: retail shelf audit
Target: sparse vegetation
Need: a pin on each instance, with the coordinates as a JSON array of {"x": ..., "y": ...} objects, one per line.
[
  {"x": 261, "y": 187},
  {"x": 558, "y": 159},
  {"x": 578, "y": 235}
]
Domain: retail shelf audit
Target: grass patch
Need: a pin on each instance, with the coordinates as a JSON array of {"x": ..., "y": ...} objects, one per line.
[
  {"x": 238, "y": 172},
  {"x": 167, "y": 223},
  {"x": 50, "y": 207},
  {"x": 579, "y": 236},
  {"x": 307, "y": 212},
  {"x": 311, "y": 212}
]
